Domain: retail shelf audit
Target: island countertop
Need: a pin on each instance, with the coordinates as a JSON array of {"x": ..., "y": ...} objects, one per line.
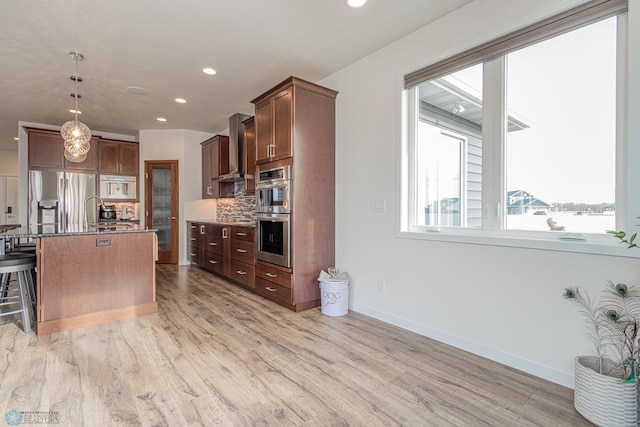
[{"x": 24, "y": 233}]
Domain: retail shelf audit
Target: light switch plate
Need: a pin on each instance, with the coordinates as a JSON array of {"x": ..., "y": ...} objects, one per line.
[{"x": 381, "y": 206}]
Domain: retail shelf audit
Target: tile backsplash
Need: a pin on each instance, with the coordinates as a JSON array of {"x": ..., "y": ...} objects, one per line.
[{"x": 241, "y": 208}]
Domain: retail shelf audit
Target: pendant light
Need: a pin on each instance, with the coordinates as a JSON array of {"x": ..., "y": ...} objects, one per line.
[{"x": 76, "y": 135}]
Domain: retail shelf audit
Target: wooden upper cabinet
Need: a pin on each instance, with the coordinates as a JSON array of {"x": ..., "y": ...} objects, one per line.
[
  {"x": 249, "y": 156},
  {"x": 46, "y": 151},
  {"x": 282, "y": 125},
  {"x": 215, "y": 162},
  {"x": 264, "y": 132},
  {"x": 118, "y": 157},
  {"x": 274, "y": 126}
]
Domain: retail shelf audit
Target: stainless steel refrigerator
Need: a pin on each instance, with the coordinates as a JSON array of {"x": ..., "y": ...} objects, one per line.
[{"x": 57, "y": 201}]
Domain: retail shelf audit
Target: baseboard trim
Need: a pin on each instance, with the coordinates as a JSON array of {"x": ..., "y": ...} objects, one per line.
[{"x": 541, "y": 371}]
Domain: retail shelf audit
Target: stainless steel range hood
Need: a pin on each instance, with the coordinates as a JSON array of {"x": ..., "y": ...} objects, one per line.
[{"x": 236, "y": 149}]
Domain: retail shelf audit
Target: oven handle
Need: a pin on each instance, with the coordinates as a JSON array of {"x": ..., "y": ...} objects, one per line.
[
  {"x": 266, "y": 185},
  {"x": 274, "y": 217}
]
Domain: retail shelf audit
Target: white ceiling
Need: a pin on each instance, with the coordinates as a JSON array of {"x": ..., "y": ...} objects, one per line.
[{"x": 162, "y": 46}]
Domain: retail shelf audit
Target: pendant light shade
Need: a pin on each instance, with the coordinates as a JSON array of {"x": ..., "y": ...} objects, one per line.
[
  {"x": 76, "y": 135},
  {"x": 74, "y": 131}
]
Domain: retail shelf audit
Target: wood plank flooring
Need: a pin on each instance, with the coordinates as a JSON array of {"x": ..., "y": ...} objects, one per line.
[{"x": 216, "y": 354}]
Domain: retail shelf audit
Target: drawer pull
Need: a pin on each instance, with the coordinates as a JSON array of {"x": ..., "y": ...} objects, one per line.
[
  {"x": 192, "y": 254},
  {"x": 271, "y": 274},
  {"x": 242, "y": 273},
  {"x": 270, "y": 289},
  {"x": 241, "y": 250},
  {"x": 212, "y": 261},
  {"x": 193, "y": 238},
  {"x": 241, "y": 234},
  {"x": 213, "y": 244},
  {"x": 193, "y": 226}
]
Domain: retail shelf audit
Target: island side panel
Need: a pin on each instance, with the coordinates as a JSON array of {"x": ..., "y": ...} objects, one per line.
[{"x": 79, "y": 276}]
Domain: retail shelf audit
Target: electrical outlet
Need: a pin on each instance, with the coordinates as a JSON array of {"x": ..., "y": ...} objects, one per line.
[{"x": 381, "y": 286}]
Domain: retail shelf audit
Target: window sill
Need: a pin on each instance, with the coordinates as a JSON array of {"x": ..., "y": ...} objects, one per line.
[{"x": 592, "y": 244}]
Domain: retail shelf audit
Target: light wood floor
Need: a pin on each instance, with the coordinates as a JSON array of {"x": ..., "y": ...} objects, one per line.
[{"x": 216, "y": 354}]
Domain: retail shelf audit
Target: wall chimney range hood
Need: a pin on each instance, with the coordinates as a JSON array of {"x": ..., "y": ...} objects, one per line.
[{"x": 236, "y": 149}]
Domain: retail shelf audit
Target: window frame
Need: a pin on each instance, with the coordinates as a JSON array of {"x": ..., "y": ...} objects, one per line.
[{"x": 493, "y": 230}]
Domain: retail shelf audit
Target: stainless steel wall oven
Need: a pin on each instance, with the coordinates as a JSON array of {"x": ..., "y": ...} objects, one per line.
[
  {"x": 273, "y": 238},
  {"x": 273, "y": 216}
]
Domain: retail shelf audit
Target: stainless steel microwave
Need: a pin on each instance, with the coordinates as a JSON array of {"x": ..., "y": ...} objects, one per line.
[{"x": 118, "y": 187}]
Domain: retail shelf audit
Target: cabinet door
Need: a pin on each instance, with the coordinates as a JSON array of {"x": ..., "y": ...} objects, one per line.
[
  {"x": 108, "y": 157},
  {"x": 250, "y": 157},
  {"x": 282, "y": 125},
  {"x": 128, "y": 158},
  {"x": 90, "y": 164},
  {"x": 215, "y": 168},
  {"x": 264, "y": 131},
  {"x": 46, "y": 150},
  {"x": 207, "y": 185}
]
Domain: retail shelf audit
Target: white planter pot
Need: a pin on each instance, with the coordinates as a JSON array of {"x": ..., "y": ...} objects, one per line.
[{"x": 602, "y": 399}]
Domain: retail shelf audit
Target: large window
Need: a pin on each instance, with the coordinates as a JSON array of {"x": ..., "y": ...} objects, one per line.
[{"x": 522, "y": 142}]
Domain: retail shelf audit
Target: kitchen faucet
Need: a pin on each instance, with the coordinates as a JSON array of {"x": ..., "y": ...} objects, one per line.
[{"x": 86, "y": 218}]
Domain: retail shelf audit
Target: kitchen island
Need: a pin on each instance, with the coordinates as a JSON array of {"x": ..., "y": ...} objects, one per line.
[{"x": 92, "y": 277}]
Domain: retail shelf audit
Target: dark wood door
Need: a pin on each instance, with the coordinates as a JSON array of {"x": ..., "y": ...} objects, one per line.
[{"x": 161, "y": 206}]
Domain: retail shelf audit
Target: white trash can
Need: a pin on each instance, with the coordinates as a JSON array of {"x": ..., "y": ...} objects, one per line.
[{"x": 334, "y": 293}]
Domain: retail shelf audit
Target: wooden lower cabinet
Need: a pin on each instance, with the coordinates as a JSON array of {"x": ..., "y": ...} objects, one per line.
[
  {"x": 280, "y": 294},
  {"x": 230, "y": 252},
  {"x": 226, "y": 251},
  {"x": 243, "y": 273}
]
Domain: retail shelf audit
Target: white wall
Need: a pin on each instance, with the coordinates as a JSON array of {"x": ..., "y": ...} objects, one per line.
[
  {"x": 502, "y": 303},
  {"x": 9, "y": 162},
  {"x": 184, "y": 146}
]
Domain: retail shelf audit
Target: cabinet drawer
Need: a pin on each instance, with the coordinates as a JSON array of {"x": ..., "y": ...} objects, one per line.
[
  {"x": 193, "y": 229},
  {"x": 273, "y": 291},
  {"x": 213, "y": 262},
  {"x": 273, "y": 275},
  {"x": 242, "y": 233},
  {"x": 243, "y": 251},
  {"x": 192, "y": 254},
  {"x": 243, "y": 273},
  {"x": 213, "y": 244}
]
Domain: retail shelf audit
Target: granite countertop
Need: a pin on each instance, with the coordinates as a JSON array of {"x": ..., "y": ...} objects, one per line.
[
  {"x": 247, "y": 224},
  {"x": 23, "y": 232}
]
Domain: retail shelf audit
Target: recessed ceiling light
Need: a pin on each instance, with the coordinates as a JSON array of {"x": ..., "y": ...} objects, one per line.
[
  {"x": 161, "y": 119},
  {"x": 75, "y": 111},
  {"x": 355, "y": 4},
  {"x": 210, "y": 71},
  {"x": 181, "y": 100},
  {"x": 137, "y": 90}
]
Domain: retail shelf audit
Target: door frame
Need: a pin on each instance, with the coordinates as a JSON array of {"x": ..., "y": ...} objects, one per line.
[{"x": 172, "y": 257}]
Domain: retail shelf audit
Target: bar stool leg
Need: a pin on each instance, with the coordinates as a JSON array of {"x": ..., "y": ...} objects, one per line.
[{"x": 24, "y": 297}]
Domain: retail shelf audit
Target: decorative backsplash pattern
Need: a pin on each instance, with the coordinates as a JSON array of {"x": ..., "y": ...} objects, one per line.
[{"x": 241, "y": 208}]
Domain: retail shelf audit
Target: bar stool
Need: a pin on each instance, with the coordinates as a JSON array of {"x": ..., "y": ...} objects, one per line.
[{"x": 21, "y": 264}]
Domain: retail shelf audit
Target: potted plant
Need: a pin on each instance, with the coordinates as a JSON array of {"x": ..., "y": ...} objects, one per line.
[{"x": 606, "y": 385}]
